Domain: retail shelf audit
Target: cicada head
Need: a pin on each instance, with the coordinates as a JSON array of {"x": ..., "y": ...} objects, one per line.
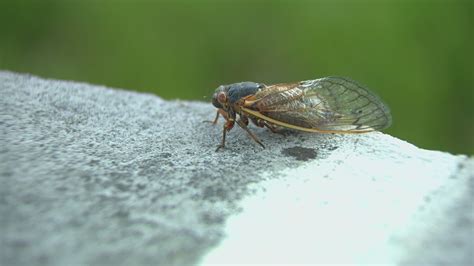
[
  {"x": 226, "y": 95},
  {"x": 219, "y": 99}
]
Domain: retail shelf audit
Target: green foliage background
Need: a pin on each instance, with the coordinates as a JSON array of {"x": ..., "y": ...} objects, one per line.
[{"x": 417, "y": 55}]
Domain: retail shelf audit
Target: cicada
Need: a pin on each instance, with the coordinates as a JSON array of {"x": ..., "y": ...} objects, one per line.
[{"x": 325, "y": 105}]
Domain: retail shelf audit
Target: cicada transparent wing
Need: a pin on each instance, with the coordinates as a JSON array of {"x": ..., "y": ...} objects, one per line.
[{"x": 332, "y": 105}]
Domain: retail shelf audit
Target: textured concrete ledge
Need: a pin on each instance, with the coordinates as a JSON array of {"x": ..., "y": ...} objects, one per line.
[{"x": 98, "y": 176}]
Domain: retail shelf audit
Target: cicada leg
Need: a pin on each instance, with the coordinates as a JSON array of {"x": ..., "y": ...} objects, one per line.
[
  {"x": 257, "y": 122},
  {"x": 227, "y": 127},
  {"x": 263, "y": 123},
  {"x": 272, "y": 127},
  {"x": 215, "y": 119},
  {"x": 219, "y": 112},
  {"x": 243, "y": 122}
]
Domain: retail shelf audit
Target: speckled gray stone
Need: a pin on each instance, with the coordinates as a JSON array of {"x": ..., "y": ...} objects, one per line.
[{"x": 98, "y": 176}]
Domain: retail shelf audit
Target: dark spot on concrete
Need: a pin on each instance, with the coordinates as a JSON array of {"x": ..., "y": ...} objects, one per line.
[
  {"x": 464, "y": 222},
  {"x": 300, "y": 153},
  {"x": 94, "y": 162},
  {"x": 122, "y": 214},
  {"x": 211, "y": 218},
  {"x": 471, "y": 183},
  {"x": 6, "y": 174},
  {"x": 141, "y": 186},
  {"x": 61, "y": 189},
  {"x": 19, "y": 243},
  {"x": 122, "y": 187},
  {"x": 214, "y": 193}
]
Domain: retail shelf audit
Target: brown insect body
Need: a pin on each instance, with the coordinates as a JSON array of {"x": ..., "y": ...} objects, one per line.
[{"x": 326, "y": 105}]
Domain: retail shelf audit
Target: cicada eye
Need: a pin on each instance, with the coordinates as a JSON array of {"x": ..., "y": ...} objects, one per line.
[{"x": 222, "y": 97}]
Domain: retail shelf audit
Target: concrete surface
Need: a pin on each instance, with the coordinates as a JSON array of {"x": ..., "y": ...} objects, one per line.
[{"x": 98, "y": 176}]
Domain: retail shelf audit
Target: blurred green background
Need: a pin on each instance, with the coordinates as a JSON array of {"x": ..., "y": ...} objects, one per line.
[{"x": 417, "y": 55}]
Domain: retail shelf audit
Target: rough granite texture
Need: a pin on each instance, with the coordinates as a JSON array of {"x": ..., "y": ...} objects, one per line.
[{"x": 96, "y": 176}]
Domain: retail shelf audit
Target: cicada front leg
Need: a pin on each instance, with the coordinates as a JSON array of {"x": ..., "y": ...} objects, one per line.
[
  {"x": 218, "y": 113},
  {"x": 215, "y": 119},
  {"x": 227, "y": 127}
]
